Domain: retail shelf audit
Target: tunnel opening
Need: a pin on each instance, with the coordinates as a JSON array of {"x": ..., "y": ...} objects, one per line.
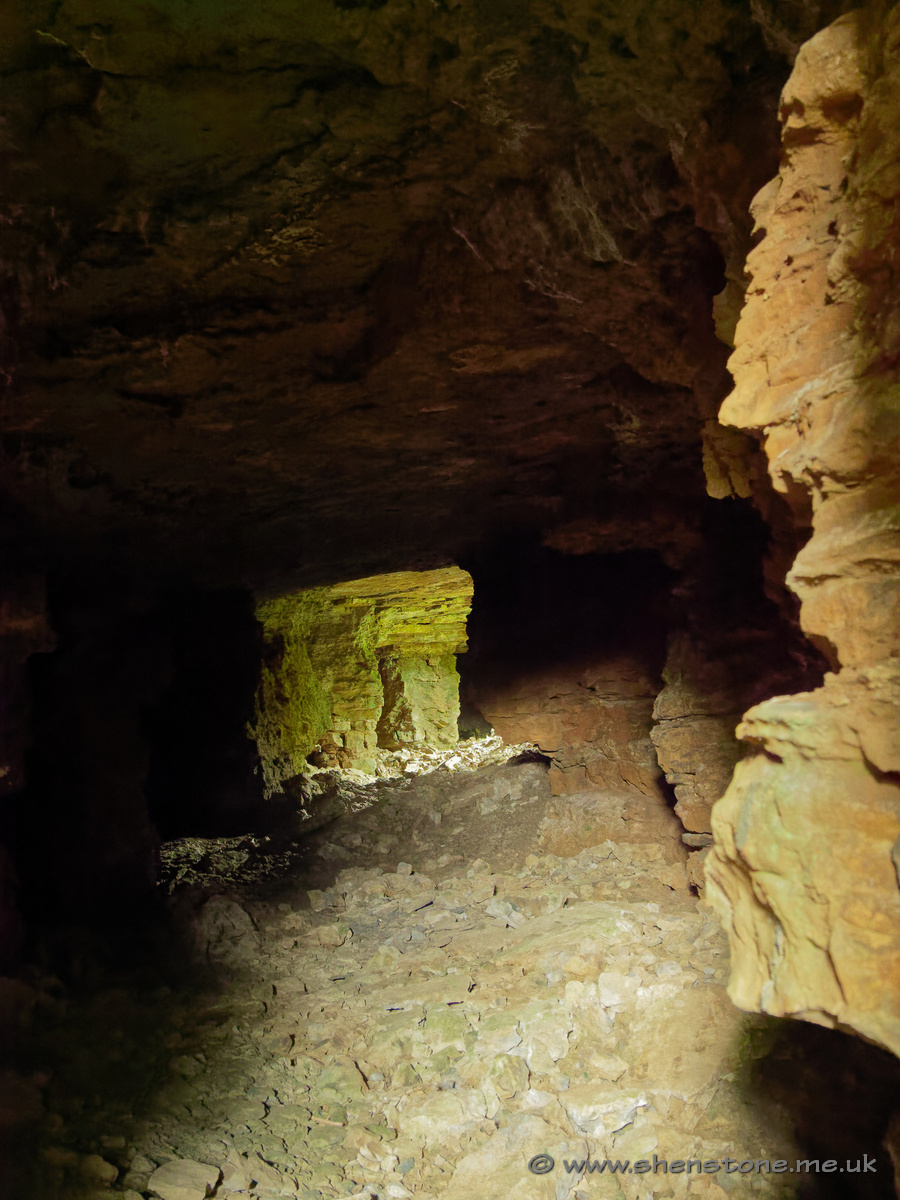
[
  {"x": 203, "y": 772},
  {"x": 397, "y": 944},
  {"x": 537, "y": 607},
  {"x": 396, "y": 919}
]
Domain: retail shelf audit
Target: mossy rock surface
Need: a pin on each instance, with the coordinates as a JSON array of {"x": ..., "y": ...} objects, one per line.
[{"x": 360, "y": 664}]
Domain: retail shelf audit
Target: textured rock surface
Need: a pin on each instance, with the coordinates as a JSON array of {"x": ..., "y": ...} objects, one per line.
[
  {"x": 183, "y": 1180},
  {"x": 710, "y": 677},
  {"x": 271, "y": 280},
  {"x": 695, "y": 715},
  {"x": 358, "y": 665},
  {"x": 425, "y": 1026},
  {"x": 802, "y": 870},
  {"x": 421, "y": 700},
  {"x": 593, "y": 720}
]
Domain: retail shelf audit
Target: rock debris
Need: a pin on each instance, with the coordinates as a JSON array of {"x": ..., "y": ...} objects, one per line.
[{"x": 425, "y": 1026}]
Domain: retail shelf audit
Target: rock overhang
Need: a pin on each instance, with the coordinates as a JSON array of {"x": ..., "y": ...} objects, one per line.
[{"x": 295, "y": 285}]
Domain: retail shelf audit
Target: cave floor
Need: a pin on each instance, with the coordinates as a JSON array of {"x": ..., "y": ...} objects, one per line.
[{"x": 426, "y": 1026}]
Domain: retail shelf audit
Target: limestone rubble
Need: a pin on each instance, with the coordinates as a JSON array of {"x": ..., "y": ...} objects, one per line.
[{"x": 426, "y": 1026}]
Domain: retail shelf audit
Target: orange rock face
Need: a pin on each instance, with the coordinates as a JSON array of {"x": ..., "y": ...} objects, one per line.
[
  {"x": 804, "y": 871},
  {"x": 594, "y": 722}
]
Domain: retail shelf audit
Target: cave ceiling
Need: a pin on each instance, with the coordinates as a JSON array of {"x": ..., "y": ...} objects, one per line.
[{"x": 338, "y": 286}]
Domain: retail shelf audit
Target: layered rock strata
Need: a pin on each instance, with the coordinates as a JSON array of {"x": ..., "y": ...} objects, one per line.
[
  {"x": 694, "y": 734},
  {"x": 594, "y": 722},
  {"x": 713, "y": 672},
  {"x": 211, "y": 236},
  {"x": 359, "y": 665},
  {"x": 802, "y": 871}
]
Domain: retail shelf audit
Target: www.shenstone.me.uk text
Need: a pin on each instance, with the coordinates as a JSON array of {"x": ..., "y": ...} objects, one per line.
[{"x": 543, "y": 1164}]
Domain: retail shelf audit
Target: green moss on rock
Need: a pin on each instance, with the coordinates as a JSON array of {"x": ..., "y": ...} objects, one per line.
[{"x": 357, "y": 665}]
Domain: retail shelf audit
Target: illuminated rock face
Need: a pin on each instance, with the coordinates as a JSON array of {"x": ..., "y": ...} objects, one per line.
[
  {"x": 804, "y": 867},
  {"x": 694, "y": 731},
  {"x": 421, "y": 699},
  {"x": 359, "y": 665},
  {"x": 592, "y": 719}
]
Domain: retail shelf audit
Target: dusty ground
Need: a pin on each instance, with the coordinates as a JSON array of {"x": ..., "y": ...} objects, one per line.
[{"x": 416, "y": 1004}]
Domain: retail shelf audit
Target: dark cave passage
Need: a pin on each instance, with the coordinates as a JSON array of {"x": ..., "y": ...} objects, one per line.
[
  {"x": 568, "y": 654},
  {"x": 537, "y": 608},
  {"x": 149, "y": 693},
  {"x": 203, "y": 772}
]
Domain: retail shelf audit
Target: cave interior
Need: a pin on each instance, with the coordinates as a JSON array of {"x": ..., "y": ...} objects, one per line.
[{"x": 399, "y": 460}]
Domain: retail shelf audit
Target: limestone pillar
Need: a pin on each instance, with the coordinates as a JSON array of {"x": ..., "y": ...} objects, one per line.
[
  {"x": 360, "y": 665},
  {"x": 803, "y": 871}
]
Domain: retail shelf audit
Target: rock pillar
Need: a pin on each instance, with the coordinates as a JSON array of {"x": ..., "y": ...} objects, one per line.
[
  {"x": 421, "y": 700},
  {"x": 804, "y": 871},
  {"x": 360, "y": 665}
]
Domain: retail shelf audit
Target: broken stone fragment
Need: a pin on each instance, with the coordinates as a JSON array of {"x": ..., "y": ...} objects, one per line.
[
  {"x": 267, "y": 1180},
  {"x": 97, "y": 1170},
  {"x": 599, "y": 1107},
  {"x": 697, "y": 840},
  {"x": 504, "y": 912},
  {"x": 225, "y": 933},
  {"x": 139, "y": 1172},
  {"x": 608, "y": 1066},
  {"x": 236, "y": 1175},
  {"x": 333, "y": 935},
  {"x": 183, "y": 1180}
]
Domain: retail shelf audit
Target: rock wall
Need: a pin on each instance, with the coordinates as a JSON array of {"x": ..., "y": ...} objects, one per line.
[
  {"x": 708, "y": 682},
  {"x": 734, "y": 642},
  {"x": 732, "y": 646},
  {"x": 421, "y": 700},
  {"x": 694, "y": 734},
  {"x": 802, "y": 871},
  {"x": 24, "y": 630},
  {"x": 593, "y": 721},
  {"x": 358, "y": 665}
]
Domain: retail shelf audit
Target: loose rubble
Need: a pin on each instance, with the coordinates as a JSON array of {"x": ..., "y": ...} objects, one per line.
[
  {"x": 426, "y": 1026},
  {"x": 318, "y": 797},
  {"x": 467, "y": 755}
]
